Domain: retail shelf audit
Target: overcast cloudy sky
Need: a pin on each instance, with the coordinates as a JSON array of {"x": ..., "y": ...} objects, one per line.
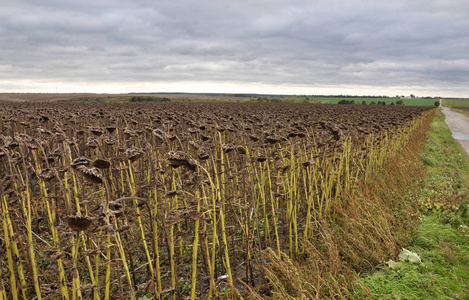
[{"x": 353, "y": 47}]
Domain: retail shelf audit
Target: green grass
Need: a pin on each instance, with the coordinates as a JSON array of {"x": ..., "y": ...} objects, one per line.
[
  {"x": 295, "y": 99},
  {"x": 443, "y": 273},
  {"x": 456, "y": 102},
  {"x": 368, "y": 100},
  {"x": 458, "y": 105},
  {"x": 445, "y": 150},
  {"x": 420, "y": 102},
  {"x": 442, "y": 239}
]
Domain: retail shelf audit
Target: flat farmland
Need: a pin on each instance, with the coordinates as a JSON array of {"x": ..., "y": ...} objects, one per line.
[
  {"x": 177, "y": 200},
  {"x": 41, "y": 97},
  {"x": 456, "y": 103},
  {"x": 90, "y": 97}
]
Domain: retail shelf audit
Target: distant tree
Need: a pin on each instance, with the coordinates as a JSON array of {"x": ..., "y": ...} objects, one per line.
[
  {"x": 412, "y": 96},
  {"x": 346, "y": 101},
  {"x": 372, "y": 103},
  {"x": 363, "y": 102},
  {"x": 392, "y": 103},
  {"x": 400, "y": 102},
  {"x": 148, "y": 99}
]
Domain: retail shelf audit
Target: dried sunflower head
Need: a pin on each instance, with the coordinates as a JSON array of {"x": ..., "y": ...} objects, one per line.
[
  {"x": 133, "y": 153},
  {"x": 193, "y": 130},
  {"x": 72, "y": 141},
  {"x": 45, "y": 174},
  {"x": 60, "y": 136},
  {"x": 11, "y": 143},
  {"x": 109, "y": 140},
  {"x": 96, "y": 131},
  {"x": 116, "y": 209},
  {"x": 91, "y": 174},
  {"x": 272, "y": 139},
  {"x": 78, "y": 222},
  {"x": 227, "y": 148},
  {"x": 101, "y": 163},
  {"x": 194, "y": 144},
  {"x": 203, "y": 153},
  {"x": 91, "y": 143},
  {"x": 204, "y": 137},
  {"x": 176, "y": 158},
  {"x": 261, "y": 158},
  {"x": 81, "y": 161},
  {"x": 308, "y": 163},
  {"x": 253, "y": 138},
  {"x": 241, "y": 150},
  {"x": 111, "y": 129},
  {"x": 128, "y": 133},
  {"x": 31, "y": 144},
  {"x": 191, "y": 165}
]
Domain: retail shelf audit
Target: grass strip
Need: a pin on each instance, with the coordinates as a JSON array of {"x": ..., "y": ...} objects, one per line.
[{"x": 442, "y": 238}]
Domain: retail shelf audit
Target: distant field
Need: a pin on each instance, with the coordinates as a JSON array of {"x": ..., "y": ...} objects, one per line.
[
  {"x": 456, "y": 102},
  {"x": 172, "y": 97},
  {"x": 42, "y": 97},
  {"x": 369, "y": 100},
  {"x": 87, "y": 97},
  {"x": 182, "y": 97}
]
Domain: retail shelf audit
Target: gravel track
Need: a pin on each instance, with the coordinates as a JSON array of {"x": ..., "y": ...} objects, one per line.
[{"x": 459, "y": 126}]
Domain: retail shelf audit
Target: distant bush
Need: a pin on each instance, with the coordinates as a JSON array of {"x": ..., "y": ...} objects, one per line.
[
  {"x": 148, "y": 99},
  {"x": 437, "y": 103},
  {"x": 273, "y": 100},
  {"x": 346, "y": 102},
  {"x": 400, "y": 102}
]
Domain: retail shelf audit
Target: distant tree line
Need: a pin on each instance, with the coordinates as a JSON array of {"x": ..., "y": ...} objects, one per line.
[
  {"x": 148, "y": 99},
  {"x": 379, "y": 103},
  {"x": 272, "y": 100},
  {"x": 348, "y": 96},
  {"x": 398, "y": 102},
  {"x": 346, "y": 102}
]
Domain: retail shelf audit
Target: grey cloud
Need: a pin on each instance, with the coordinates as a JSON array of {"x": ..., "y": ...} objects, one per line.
[{"x": 359, "y": 42}]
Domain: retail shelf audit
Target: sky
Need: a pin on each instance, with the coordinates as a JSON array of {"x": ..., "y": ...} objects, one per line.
[{"x": 311, "y": 47}]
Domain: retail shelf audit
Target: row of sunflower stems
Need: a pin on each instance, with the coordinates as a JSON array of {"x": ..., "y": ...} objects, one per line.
[{"x": 242, "y": 200}]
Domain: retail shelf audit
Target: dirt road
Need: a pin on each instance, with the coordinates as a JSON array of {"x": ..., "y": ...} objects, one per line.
[{"x": 459, "y": 125}]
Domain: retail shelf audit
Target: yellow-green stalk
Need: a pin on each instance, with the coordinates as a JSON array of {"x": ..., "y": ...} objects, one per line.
[
  {"x": 273, "y": 208},
  {"x": 124, "y": 263},
  {"x": 220, "y": 190},
  {"x": 131, "y": 182},
  {"x": 195, "y": 246},
  {"x": 29, "y": 230},
  {"x": 14, "y": 290}
]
